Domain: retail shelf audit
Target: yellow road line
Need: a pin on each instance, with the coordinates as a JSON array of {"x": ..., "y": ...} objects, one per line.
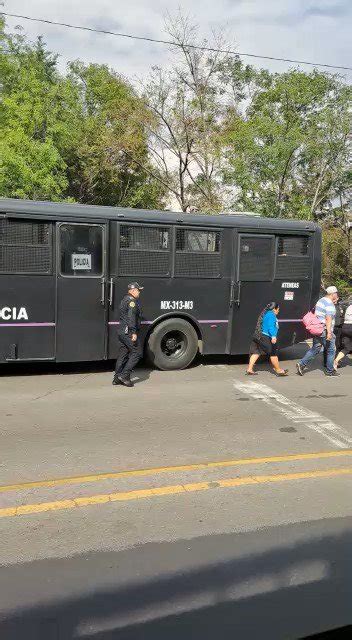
[
  {"x": 123, "y": 496},
  {"x": 172, "y": 469}
]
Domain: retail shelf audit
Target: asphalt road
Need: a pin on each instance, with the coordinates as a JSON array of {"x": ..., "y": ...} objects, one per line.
[{"x": 198, "y": 503}]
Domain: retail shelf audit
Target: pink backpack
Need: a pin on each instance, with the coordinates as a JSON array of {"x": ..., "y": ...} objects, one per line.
[{"x": 313, "y": 324}]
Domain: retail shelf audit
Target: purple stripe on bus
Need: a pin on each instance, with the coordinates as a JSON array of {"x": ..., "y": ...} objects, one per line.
[
  {"x": 27, "y": 324},
  {"x": 212, "y": 321},
  {"x": 143, "y": 322},
  {"x": 200, "y": 322}
]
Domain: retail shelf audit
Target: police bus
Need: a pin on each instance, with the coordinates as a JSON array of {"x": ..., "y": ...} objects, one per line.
[{"x": 64, "y": 269}]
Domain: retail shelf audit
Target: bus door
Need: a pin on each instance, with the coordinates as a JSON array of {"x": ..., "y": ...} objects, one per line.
[
  {"x": 81, "y": 292},
  {"x": 252, "y": 286}
]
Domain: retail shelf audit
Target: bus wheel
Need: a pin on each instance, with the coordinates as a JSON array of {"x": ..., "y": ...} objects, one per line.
[{"x": 173, "y": 344}]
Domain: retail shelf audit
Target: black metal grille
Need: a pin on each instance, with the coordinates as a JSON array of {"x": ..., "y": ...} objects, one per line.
[
  {"x": 194, "y": 241},
  {"x": 293, "y": 246},
  {"x": 25, "y": 247},
  {"x": 292, "y": 257},
  {"x": 293, "y": 267},
  {"x": 143, "y": 263},
  {"x": 144, "y": 251},
  {"x": 18, "y": 232},
  {"x": 197, "y": 253},
  {"x": 144, "y": 238},
  {"x": 25, "y": 259},
  {"x": 256, "y": 259},
  {"x": 200, "y": 265}
]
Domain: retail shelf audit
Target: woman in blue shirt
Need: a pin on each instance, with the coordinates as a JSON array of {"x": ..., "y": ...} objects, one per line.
[{"x": 264, "y": 340}]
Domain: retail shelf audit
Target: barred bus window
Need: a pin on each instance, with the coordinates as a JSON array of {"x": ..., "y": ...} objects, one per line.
[
  {"x": 194, "y": 241},
  {"x": 25, "y": 247},
  {"x": 144, "y": 250},
  {"x": 197, "y": 253},
  {"x": 293, "y": 260},
  {"x": 144, "y": 238},
  {"x": 293, "y": 246}
]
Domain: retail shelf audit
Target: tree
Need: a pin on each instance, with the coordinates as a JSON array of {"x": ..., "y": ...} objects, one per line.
[
  {"x": 80, "y": 137},
  {"x": 32, "y": 166},
  {"x": 288, "y": 151},
  {"x": 108, "y": 162},
  {"x": 337, "y": 246},
  {"x": 337, "y": 259},
  {"x": 186, "y": 101}
]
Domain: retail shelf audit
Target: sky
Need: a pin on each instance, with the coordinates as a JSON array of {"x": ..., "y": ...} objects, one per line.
[{"x": 317, "y": 30}]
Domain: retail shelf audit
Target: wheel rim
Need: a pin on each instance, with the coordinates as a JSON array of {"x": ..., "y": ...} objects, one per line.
[{"x": 174, "y": 344}]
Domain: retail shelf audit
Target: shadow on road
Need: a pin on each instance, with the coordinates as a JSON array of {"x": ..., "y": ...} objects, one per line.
[
  {"x": 282, "y": 583},
  {"x": 68, "y": 368},
  {"x": 53, "y": 368}
]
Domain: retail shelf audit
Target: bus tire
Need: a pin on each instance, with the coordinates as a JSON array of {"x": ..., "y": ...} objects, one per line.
[{"x": 172, "y": 344}]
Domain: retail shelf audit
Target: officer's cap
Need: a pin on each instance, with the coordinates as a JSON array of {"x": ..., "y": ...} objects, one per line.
[{"x": 135, "y": 285}]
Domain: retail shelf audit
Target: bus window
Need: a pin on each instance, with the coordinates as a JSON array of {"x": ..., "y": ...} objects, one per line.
[
  {"x": 25, "y": 247},
  {"x": 293, "y": 259},
  {"x": 292, "y": 246},
  {"x": 197, "y": 253},
  {"x": 81, "y": 250},
  {"x": 144, "y": 250},
  {"x": 192, "y": 240}
]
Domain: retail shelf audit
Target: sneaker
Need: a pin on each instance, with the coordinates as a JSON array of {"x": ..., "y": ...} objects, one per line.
[
  {"x": 332, "y": 373},
  {"x": 116, "y": 382},
  {"x": 300, "y": 369},
  {"x": 126, "y": 382}
]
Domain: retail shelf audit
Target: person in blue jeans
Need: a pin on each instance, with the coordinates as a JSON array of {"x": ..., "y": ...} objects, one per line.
[{"x": 325, "y": 310}]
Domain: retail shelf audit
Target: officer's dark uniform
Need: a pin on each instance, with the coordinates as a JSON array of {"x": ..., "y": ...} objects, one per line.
[{"x": 129, "y": 352}]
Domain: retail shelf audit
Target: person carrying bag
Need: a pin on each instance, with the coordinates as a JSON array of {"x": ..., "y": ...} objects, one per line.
[
  {"x": 264, "y": 340},
  {"x": 320, "y": 325}
]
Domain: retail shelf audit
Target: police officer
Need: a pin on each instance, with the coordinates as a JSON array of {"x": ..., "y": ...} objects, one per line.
[{"x": 130, "y": 349}]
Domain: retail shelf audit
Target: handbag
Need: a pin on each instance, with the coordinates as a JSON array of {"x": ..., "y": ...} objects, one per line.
[{"x": 313, "y": 324}]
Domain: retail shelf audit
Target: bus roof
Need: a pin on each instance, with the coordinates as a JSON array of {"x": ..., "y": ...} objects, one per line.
[{"x": 10, "y": 207}]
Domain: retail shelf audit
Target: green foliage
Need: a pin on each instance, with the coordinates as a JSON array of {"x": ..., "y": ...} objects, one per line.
[
  {"x": 288, "y": 147},
  {"x": 81, "y": 137},
  {"x": 107, "y": 161},
  {"x": 337, "y": 259},
  {"x": 32, "y": 166}
]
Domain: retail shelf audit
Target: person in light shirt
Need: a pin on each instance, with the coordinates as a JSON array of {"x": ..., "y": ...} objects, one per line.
[{"x": 325, "y": 311}]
